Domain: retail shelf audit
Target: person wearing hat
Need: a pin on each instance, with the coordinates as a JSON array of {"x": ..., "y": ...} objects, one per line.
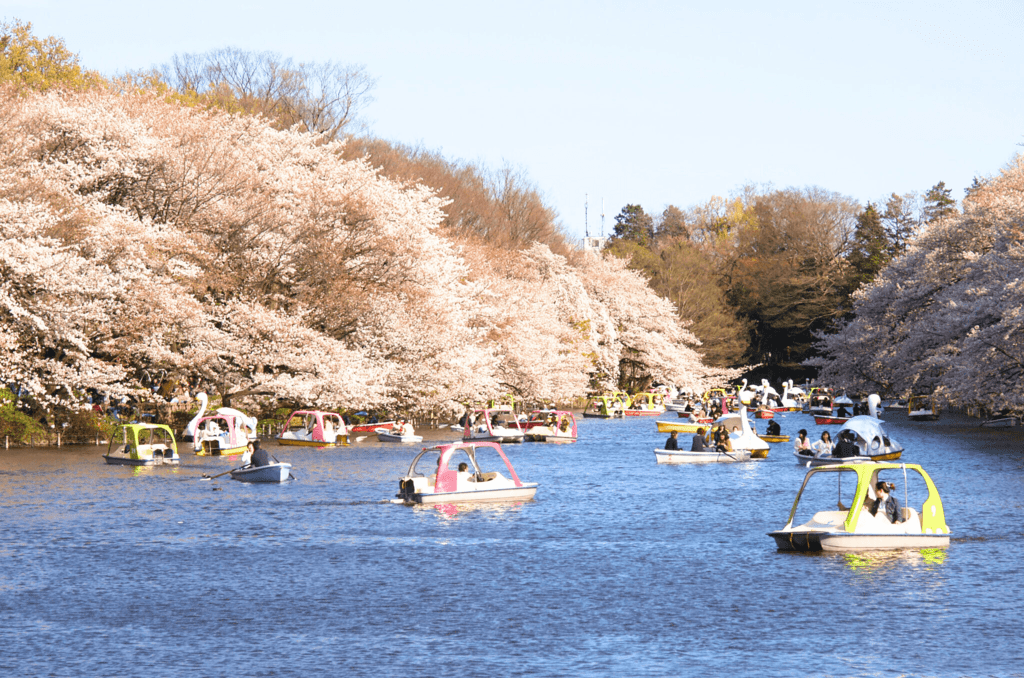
[{"x": 886, "y": 502}]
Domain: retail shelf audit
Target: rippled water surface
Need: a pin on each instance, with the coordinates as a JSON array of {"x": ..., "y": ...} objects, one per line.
[{"x": 618, "y": 567}]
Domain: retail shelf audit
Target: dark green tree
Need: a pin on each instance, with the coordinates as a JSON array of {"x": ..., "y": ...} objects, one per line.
[
  {"x": 871, "y": 249},
  {"x": 938, "y": 203},
  {"x": 632, "y": 223},
  {"x": 900, "y": 220}
]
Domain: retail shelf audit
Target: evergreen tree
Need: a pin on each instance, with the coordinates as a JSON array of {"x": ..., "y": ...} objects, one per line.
[
  {"x": 900, "y": 220},
  {"x": 871, "y": 248},
  {"x": 938, "y": 203},
  {"x": 632, "y": 223}
]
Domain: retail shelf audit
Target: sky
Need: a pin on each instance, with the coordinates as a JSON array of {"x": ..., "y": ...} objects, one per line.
[{"x": 649, "y": 103}]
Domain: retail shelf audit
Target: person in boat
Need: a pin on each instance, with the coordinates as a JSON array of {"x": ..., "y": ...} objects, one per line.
[
  {"x": 846, "y": 448},
  {"x": 698, "y": 442},
  {"x": 260, "y": 457},
  {"x": 843, "y": 413},
  {"x": 802, "y": 445},
  {"x": 823, "y": 447},
  {"x": 722, "y": 441},
  {"x": 773, "y": 428},
  {"x": 564, "y": 426},
  {"x": 672, "y": 443},
  {"x": 407, "y": 429},
  {"x": 886, "y": 502}
]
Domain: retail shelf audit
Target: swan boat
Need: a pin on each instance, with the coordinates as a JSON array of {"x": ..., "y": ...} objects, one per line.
[
  {"x": 448, "y": 485},
  {"x": 741, "y": 434},
  {"x": 853, "y": 527},
  {"x": 686, "y": 457},
  {"x": 249, "y": 424},
  {"x": 551, "y": 426},
  {"x": 498, "y": 425},
  {"x": 142, "y": 445},
  {"x": 313, "y": 428},
  {"x": 873, "y": 443},
  {"x": 221, "y": 435}
]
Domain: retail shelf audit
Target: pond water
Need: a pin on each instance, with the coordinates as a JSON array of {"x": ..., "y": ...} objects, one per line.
[{"x": 618, "y": 567}]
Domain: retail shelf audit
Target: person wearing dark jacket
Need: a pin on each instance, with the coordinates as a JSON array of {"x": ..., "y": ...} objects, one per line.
[
  {"x": 886, "y": 502},
  {"x": 846, "y": 447},
  {"x": 698, "y": 441},
  {"x": 672, "y": 443},
  {"x": 773, "y": 428},
  {"x": 260, "y": 457}
]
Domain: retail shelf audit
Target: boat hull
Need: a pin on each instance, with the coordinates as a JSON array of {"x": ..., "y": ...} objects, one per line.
[
  {"x": 758, "y": 454},
  {"x": 527, "y": 491},
  {"x": 1003, "y": 422},
  {"x": 843, "y": 541},
  {"x": 495, "y": 439},
  {"x": 369, "y": 428},
  {"x": 680, "y": 426},
  {"x": 392, "y": 438},
  {"x": 813, "y": 462},
  {"x": 927, "y": 416},
  {"x": 272, "y": 473},
  {"x": 686, "y": 457},
  {"x": 126, "y": 461},
  {"x": 598, "y": 415},
  {"x": 830, "y": 421},
  {"x": 309, "y": 443},
  {"x": 644, "y": 413},
  {"x": 774, "y": 439},
  {"x": 215, "y": 451}
]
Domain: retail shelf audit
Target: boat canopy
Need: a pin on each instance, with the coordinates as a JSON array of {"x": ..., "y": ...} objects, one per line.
[
  {"x": 447, "y": 477},
  {"x": 933, "y": 520}
]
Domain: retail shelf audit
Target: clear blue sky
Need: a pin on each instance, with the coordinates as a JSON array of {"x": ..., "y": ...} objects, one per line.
[{"x": 653, "y": 103}]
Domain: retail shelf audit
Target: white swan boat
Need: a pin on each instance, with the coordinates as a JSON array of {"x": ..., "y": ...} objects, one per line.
[
  {"x": 872, "y": 441},
  {"x": 853, "y": 527},
  {"x": 709, "y": 455},
  {"x": 247, "y": 423},
  {"x": 741, "y": 434},
  {"x": 142, "y": 445},
  {"x": 466, "y": 482},
  {"x": 221, "y": 435}
]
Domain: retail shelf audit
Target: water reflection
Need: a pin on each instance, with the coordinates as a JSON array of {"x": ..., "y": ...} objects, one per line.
[
  {"x": 866, "y": 562},
  {"x": 494, "y": 508}
]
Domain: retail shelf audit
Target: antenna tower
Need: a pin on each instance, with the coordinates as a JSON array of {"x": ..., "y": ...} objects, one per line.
[{"x": 586, "y": 217}]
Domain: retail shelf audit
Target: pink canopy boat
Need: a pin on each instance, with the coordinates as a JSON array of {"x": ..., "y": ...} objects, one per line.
[{"x": 448, "y": 485}]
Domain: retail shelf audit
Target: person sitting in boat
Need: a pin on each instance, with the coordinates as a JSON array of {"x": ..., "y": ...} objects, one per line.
[
  {"x": 397, "y": 427},
  {"x": 802, "y": 445},
  {"x": 773, "y": 428},
  {"x": 260, "y": 457},
  {"x": 722, "y": 441},
  {"x": 564, "y": 426},
  {"x": 886, "y": 502},
  {"x": 407, "y": 429},
  {"x": 823, "y": 447},
  {"x": 846, "y": 448},
  {"x": 672, "y": 443},
  {"x": 698, "y": 442},
  {"x": 843, "y": 413}
]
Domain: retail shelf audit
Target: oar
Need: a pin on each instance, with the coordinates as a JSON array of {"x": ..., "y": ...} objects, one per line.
[{"x": 209, "y": 477}]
